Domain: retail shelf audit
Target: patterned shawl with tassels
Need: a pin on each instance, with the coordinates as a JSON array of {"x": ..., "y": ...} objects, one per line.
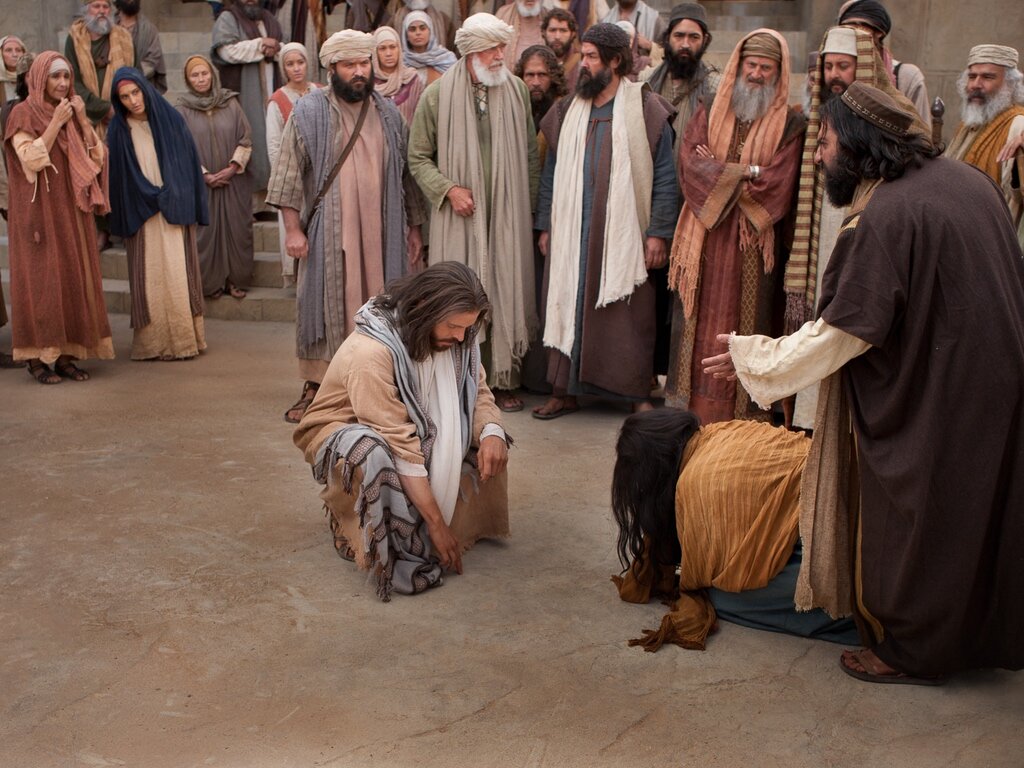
[
  {"x": 88, "y": 180},
  {"x": 765, "y": 136},
  {"x": 394, "y": 534},
  {"x": 801, "y": 280}
]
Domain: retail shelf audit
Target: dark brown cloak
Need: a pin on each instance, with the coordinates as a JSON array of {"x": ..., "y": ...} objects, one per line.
[
  {"x": 932, "y": 277},
  {"x": 617, "y": 341}
]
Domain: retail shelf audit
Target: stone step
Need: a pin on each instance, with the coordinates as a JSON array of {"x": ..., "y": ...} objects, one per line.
[
  {"x": 114, "y": 265},
  {"x": 261, "y": 304}
]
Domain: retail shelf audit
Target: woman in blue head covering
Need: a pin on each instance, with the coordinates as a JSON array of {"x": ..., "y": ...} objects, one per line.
[{"x": 157, "y": 198}]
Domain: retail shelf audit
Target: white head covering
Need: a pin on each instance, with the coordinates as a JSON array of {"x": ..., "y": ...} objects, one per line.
[
  {"x": 347, "y": 44},
  {"x": 1003, "y": 55},
  {"x": 9, "y": 76},
  {"x": 628, "y": 28},
  {"x": 481, "y": 32},
  {"x": 389, "y": 85},
  {"x": 59, "y": 65},
  {"x": 293, "y": 48},
  {"x": 436, "y": 56},
  {"x": 841, "y": 40}
]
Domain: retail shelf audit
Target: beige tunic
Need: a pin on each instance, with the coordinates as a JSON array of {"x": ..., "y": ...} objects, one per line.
[
  {"x": 359, "y": 388},
  {"x": 353, "y": 235},
  {"x": 172, "y": 330}
]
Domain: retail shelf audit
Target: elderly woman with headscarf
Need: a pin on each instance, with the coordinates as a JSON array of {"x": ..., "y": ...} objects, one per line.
[
  {"x": 395, "y": 79},
  {"x": 222, "y": 135},
  {"x": 56, "y": 167},
  {"x": 295, "y": 63},
  {"x": 422, "y": 51},
  {"x": 157, "y": 198},
  {"x": 11, "y": 49}
]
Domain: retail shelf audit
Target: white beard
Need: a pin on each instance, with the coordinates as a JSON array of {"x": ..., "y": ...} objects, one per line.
[
  {"x": 751, "y": 102},
  {"x": 976, "y": 115},
  {"x": 486, "y": 76},
  {"x": 99, "y": 25},
  {"x": 527, "y": 11}
]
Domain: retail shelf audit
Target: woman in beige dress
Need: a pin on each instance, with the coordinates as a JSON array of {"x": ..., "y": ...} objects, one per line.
[{"x": 158, "y": 198}]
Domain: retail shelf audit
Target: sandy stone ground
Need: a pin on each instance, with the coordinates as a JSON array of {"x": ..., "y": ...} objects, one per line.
[{"x": 170, "y": 598}]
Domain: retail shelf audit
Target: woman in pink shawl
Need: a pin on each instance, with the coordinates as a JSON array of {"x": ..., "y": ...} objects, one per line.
[{"x": 395, "y": 79}]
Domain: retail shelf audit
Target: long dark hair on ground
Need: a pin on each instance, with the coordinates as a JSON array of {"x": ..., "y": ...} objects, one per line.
[
  {"x": 868, "y": 150},
  {"x": 421, "y": 301},
  {"x": 649, "y": 452}
]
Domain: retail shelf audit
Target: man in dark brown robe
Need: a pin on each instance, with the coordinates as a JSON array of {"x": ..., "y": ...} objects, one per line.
[
  {"x": 738, "y": 170},
  {"x": 922, "y": 315},
  {"x": 600, "y": 307}
]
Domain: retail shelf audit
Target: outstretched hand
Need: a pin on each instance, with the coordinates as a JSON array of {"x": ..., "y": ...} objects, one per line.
[{"x": 720, "y": 366}]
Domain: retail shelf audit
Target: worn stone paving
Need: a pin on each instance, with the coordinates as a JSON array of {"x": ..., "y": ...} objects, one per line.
[{"x": 170, "y": 598}]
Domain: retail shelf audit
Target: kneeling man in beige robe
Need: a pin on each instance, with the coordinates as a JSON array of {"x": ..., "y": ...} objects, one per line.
[{"x": 405, "y": 435}]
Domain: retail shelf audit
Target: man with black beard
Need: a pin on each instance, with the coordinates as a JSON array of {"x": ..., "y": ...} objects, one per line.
[
  {"x": 246, "y": 38},
  {"x": 919, "y": 340},
  {"x": 846, "y": 55},
  {"x": 146, "y": 40},
  {"x": 96, "y": 47},
  {"x": 992, "y": 89},
  {"x": 682, "y": 78},
  {"x": 603, "y": 226},
  {"x": 345, "y": 224}
]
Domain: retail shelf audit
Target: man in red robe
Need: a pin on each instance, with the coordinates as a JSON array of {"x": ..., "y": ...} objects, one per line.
[{"x": 738, "y": 170}]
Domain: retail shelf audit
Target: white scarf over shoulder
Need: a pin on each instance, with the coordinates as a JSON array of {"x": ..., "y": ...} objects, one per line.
[{"x": 628, "y": 212}]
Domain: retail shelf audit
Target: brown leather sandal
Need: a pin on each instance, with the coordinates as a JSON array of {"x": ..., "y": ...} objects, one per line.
[
  {"x": 294, "y": 414},
  {"x": 41, "y": 372}
]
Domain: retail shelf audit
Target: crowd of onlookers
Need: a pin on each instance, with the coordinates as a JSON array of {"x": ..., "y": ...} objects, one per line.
[{"x": 93, "y": 151}]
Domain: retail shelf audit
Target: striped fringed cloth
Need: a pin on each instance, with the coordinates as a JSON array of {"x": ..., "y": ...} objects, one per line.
[
  {"x": 801, "y": 280},
  {"x": 398, "y": 548}
]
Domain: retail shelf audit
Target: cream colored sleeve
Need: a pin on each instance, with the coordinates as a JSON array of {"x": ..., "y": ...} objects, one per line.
[
  {"x": 1013, "y": 196},
  {"x": 771, "y": 369},
  {"x": 32, "y": 154},
  {"x": 241, "y": 157},
  {"x": 242, "y": 52},
  {"x": 98, "y": 150},
  {"x": 275, "y": 127}
]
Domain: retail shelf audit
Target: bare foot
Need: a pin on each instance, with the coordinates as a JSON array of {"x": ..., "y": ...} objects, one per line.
[{"x": 647, "y": 405}]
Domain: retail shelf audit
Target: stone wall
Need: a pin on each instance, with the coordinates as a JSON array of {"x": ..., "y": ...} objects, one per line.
[
  {"x": 937, "y": 35},
  {"x": 934, "y": 34}
]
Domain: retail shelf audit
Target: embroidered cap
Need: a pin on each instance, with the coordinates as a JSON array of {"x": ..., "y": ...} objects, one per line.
[{"x": 878, "y": 108}]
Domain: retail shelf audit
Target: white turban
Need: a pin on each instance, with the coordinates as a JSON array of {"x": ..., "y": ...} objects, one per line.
[
  {"x": 481, "y": 32},
  {"x": 628, "y": 28},
  {"x": 347, "y": 44},
  {"x": 841, "y": 40},
  {"x": 1003, "y": 55}
]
